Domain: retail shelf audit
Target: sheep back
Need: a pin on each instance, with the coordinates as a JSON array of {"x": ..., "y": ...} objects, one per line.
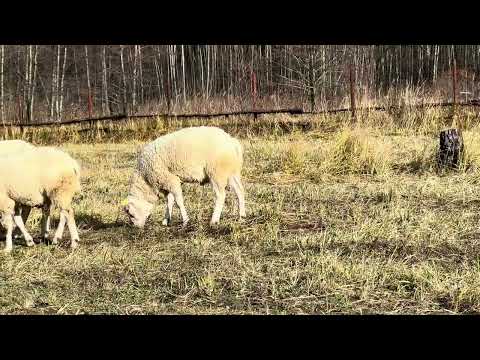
[
  {"x": 31, "y": 175},
  {"x": 11, "y": 146},
  {"x": 193, "y": 154}
]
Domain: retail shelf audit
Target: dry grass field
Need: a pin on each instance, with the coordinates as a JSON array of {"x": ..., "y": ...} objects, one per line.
[{"x": 341, "y": 218}]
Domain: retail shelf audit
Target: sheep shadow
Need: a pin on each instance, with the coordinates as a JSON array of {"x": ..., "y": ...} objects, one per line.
[
  {"x": 195, "y": 226},
  {"x": 86, "y": 222}
]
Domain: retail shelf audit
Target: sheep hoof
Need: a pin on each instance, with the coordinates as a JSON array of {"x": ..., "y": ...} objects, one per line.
[
  {"x": 54, "y": 241},
  {"x": 30, "y": 242},
  {"x": 165, "y": 222},
  {"x": 213, "y": 223},
  {"x": 74, "y": 244},
  {"x": 185, "y": 224},
  {"x": 7, "y": 250}
]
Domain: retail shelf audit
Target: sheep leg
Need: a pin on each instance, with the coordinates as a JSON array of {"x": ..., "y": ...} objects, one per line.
[
  {"x": 7, "y": 222},
  {"x": 61, "y": 226},
  {"x": 168, "y": 213},
  {"x": 219, "y": 201},
  {"x": 46, "y": 221},
  {"x": 237, "y": 187},
  {"x": 174, "y": 187},
  {"x": 66, "y": 216},
  {"x": 183, "y": 212},
  {"x": 24, "y": 211},
  {"x": 178, "y": 196},
  {"x": 19, "y": 222},
  {"x": 72, "y": 227}
]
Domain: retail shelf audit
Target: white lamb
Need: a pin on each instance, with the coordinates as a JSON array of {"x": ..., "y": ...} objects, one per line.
[
  {"x": 40, "y": 177},
  {"x": 196, "y": 154}
]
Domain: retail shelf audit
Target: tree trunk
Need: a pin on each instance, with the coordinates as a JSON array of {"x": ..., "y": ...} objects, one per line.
[
  {"x": 134, "y": 90},
  {"x": 105, "y": 103},
  {"x": 52, "y": 93},
  {"x": 173, "y": 72},
  {"x": 33, "y": 82},
  {"x": 451, "y": 149},
  {"x": 157, "y": 73},
  {"x": 62, "y": 81},
  {"x": 202, "y": 90},
  {"x": 76, "y": 78},
  {"x": 183, "y": 77},
  {"x": 124, "y": 81},
  {"x": 90, "y": 105},
  {"x": 26, "y": 83},
  {"x": 57, "y": 86},
  {"x": 311, "y": 81},
  {"x": 140, "y": 69},
  {"x": 208, "y": 72}
]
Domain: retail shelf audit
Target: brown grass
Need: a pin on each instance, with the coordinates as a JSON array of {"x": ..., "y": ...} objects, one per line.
[{"x": 341, "y": 219}]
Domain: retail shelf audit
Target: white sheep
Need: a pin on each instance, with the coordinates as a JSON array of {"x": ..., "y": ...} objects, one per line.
[
  {"x": 8, "y": 147},
  {"x": 195, "y": 154},
  {"x": 40, "y": 177},
  {"x": 12, "y": 146}
]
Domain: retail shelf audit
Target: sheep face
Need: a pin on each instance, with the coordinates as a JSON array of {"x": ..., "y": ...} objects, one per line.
[{"x": 138, "y": 211}]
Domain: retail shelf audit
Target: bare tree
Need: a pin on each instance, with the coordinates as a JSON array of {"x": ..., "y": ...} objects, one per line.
[
  {"x": 89, "y": 88},
  {"x": 140, "y": 69},
  {"x": 183, "y": 77},
  {"x": 33, "y": 77},
  {"x": 62, "y": 80},
  {"x": 124, "y": 80},
  {"x": 157, "y": 71},
  {"x": 54, "y": 88},
  {"x": 106, "y": 108},
  {"x": 57, "y": 84},
  {"x": 77, "y": 80},
  {"x": 134, "y": 78},
  {"x": 315, "y": 75}
]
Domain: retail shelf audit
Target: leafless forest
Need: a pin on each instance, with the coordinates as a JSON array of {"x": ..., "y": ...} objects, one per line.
[{"x": 57, "y": 82}]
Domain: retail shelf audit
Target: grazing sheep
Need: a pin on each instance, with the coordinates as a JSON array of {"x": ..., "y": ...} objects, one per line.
[
  {"x": 11, "y": 146},
  {"x": 40, "y": 177},
  {"x": 196, "y": 154},
  {"x": 8, "y": 147}
]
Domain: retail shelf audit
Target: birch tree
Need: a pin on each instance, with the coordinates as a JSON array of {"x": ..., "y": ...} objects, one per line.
[
  {"x": 62, "y": 80},
  {"x": 89, "y": 88},
  {"x": 124, "y": 81}
]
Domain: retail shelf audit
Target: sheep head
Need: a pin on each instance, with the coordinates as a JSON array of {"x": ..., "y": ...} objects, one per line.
[{"x": 137, "y": 210}]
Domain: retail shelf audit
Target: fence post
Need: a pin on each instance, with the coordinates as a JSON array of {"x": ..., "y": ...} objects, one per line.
[{"x": 352, "y": 91}]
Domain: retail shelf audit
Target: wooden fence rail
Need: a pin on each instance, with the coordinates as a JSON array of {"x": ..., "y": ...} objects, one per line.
[{"x": 254, "y": 113}]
